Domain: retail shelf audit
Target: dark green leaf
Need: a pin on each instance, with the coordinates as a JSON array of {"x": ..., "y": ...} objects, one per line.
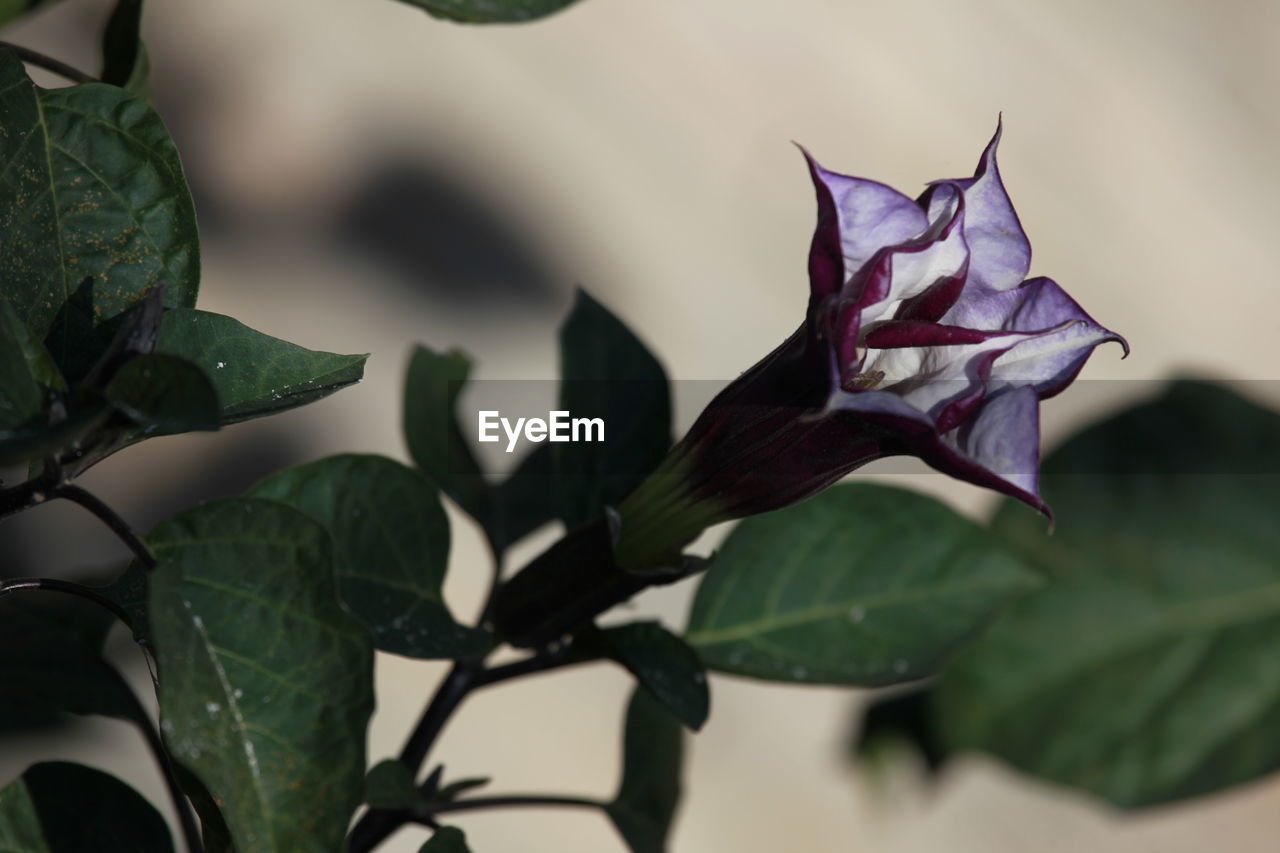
[
  {"x": 20, "y": 829},
  {"x": 124, "y": 56},
  {"x": 128, "y": 591},
  {"x": 91, "y": 186},
  {"x": 861, "y": 585},
  {"x": 607, "y": 373},
  {"x": 652, "y": 755},
  {"x": 27, "y": 443},
  {"x": 51, "y": 662},
  {"x": 446, "y": 839},
  {"x": 254, "y": 374},
  {"x": 266, "y": 682},
  {"x": 164, "y": 395},
  {"x": 21, "y": 396},
  {"x": 436, "y": 441},
  {"x": 1146, "y": 671},
  {"x": 60, "y": 807},
  {"x": 455, "y": 789},
  {"x": 389, "y": 785},
  {"x": 392, "y": 545},
  {"x": 665, "y": 666},
  {"x": 491, "y": 11},
  {"x": 521, "y": 502}
]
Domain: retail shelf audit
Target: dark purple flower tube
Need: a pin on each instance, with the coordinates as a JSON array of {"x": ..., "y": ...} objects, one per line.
[{"x": 922, "y": 337}]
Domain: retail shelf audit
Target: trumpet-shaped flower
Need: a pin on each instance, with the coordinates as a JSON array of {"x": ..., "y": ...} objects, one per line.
[{"x": 923, "y": 337}]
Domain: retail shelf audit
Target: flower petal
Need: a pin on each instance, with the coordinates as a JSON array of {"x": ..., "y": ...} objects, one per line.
[
  {"x": 1061, "y": 335},
  {"x": 1000, "y": 254},
  {"x": 999, "y": 448},
  {"x": 856, "y": 218},
  {"x": 907, "y": 270}
]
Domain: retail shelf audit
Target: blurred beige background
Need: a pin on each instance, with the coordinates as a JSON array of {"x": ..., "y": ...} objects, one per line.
[{"x": 643, "y": 148}]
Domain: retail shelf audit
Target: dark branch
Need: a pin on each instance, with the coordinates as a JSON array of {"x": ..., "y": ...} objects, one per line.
[
  {"x": 48, "y": 63},
  {"x": 540, "y": 662},
  {"x": 511, "y": 801},
  {"x": 33, "y": 492},
  {"x": 66, "y": 587},
  {"x": 186, "y": 816},
  {"x": 108, "y": 516},
  {"x": 372, "y": 829}
]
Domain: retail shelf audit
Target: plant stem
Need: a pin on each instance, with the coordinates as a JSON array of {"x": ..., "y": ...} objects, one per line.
[
  {"x": 33, "y": 492},
  {"x": 108, "y": 516},
  {"x": 455, "y": 687},
  {"x": 67, "y": 587},
  {"x": 372, "y": 829},
  {"x": 186, "y": 816},
  {"x": 543, "y": 661},
  {"x": 513, "y": 800},
  {"x": 48, "y": 63}
]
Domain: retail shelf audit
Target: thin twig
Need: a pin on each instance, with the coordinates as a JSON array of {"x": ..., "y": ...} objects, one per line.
[
  {"x": 186, "y": 815},
  {"x": 517, "y": 800},
  {"x": 108, "y": 516},
  {"x": 67, "y": 587},
  {"x": 48, "y": 63},
  {"x": 33, "y": 492}
]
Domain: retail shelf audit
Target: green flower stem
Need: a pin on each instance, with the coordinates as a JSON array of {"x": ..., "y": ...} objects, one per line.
[{"x": 661, "y": 516}]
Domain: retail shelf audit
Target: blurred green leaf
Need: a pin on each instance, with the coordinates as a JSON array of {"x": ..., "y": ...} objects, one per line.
[
  {"x": 392, "y": 548},
  {"x": 10, "y": 9},
  {"x": 32, "y": 443},
  {"x": 124, "y": 56},
  {"x": 665, "y": 666},
  {"x": 389, "y": 785},
  {"x": 903, "y": 718},
  {"x": 255, "y": 375},
  {"x": 164, "y": 395},
  {"x": 266, "y": 683},
  {"x": 446, "y": 839},
  {"x": 861, "y": 585},
  {"x": 60, "y": 807},
  {"x": 91, "y": 186},
  {"x": 51, "y": 662},
  {"x": 607, "y": 373},
  {"x": 436, "y": 441},
  {"x": 490, "y": 11},
  {"x": 522, "y": 503},
  {"x": 453, "y": 790},
  {"x": 1146, "y": 671},
  {"x": 652, "y": 757}
]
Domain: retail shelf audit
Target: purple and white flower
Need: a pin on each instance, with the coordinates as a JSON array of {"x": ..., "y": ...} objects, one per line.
[{"x": 923, "y": 337}]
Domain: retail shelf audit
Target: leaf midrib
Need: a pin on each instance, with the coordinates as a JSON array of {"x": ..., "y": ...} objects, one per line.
[
  {"x": 777, "y": 622},
  {"x": 1231, "y": 610}
]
